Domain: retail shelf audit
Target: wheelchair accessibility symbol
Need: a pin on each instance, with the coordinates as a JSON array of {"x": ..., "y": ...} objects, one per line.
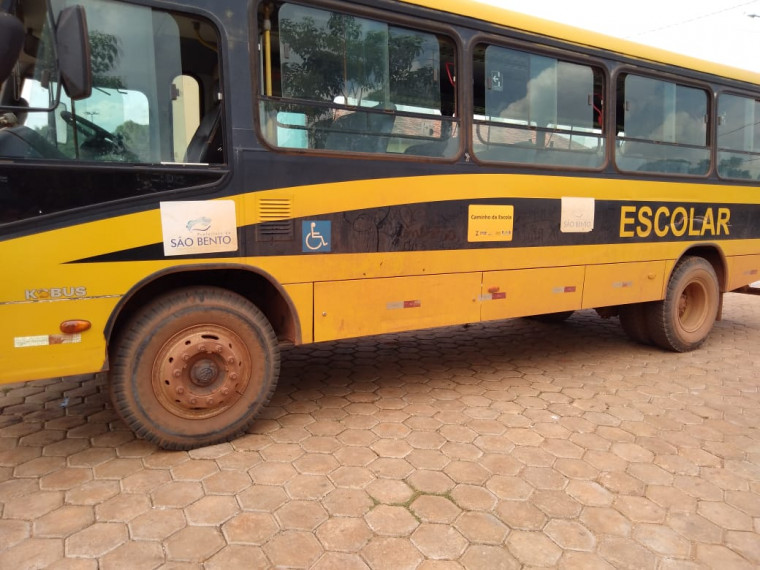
[{"x": 316, "y": 236}]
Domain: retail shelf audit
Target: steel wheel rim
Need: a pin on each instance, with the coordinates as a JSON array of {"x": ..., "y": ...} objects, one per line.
[
  {"x": 201, "y": 371},
  {"x": 692, "y": 307}
]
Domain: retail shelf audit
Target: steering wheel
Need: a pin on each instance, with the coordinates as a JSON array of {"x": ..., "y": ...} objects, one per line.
[
  {"x": 98, "y": 142},
  {"x": 87, "y": 128}
]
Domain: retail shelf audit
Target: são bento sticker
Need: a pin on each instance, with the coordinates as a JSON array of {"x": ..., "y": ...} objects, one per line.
[{"x": 199, "y": 227}]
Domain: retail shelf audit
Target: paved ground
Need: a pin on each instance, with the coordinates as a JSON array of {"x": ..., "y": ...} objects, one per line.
[{"x": 491, "y": 446}]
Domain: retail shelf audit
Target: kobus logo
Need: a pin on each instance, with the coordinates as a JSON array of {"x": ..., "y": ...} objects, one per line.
[{"x": 55, "y": 293}]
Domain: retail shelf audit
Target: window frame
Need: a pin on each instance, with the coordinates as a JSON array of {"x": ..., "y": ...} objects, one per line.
[
  {"x": 590, "y": 59},
  {"x": 735, "y": 93},
  {"x": 128, "y": 185},
  {"x": 394, "y": 19},
  {"x": 678, "y": 80}
]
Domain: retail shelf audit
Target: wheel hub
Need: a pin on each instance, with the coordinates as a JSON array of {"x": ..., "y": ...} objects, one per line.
[{"x": 202, "y": 371}]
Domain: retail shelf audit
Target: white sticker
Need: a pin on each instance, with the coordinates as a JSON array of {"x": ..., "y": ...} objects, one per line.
[
  {"x": 46, "y": 340},
  {"x": 577, "y": 215},
  {"x": 199, "y": 227},
  {"x": 28, "y": 341}
]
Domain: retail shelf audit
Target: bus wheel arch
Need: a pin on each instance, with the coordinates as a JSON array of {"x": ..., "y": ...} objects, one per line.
[
  {"x": 256, "y": 286},
  {"x": 693, "y": 296},
  {"x": 194, "y": 367}
]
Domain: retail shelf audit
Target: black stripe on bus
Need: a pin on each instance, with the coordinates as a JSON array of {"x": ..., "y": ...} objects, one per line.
[{"x": 440, "y": 226}]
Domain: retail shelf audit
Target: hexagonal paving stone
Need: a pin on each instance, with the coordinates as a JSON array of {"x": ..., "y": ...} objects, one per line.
[
  {"x": 481, "y": 528},
  {"x": 533, "y": 548},
  {"x": 301, "y": 515},
  {"x": 133, "y": 555},
  {"x": 177, "y": 494},
  {"x": 435, "y": 509},
  {"x": 237, "y": 556},
  {"x": 347, "y": 502},
  {"x": 158, "y": 524},
  {"x": 391, "y": 520},
  {"x": 344, "y": 534},
  {"x": 194, "y": 544},
  {"x": 96, "y": 540},
  {"x": 250, "y": 528},
  {"x": 297, "y": 549},
  {"x": 438, "y": 541},
  {"x": 391, "y": 554},
  {"x": 212, "y": 510},
  {"x": 389, "y": 491},
  {"x": 33, "y": 553},
  {"x": 570, "y": 535}
]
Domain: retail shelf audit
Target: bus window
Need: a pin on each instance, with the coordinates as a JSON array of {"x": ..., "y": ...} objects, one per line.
[
  {"x": 535, "y": 109},
  {"x": 136, "y": 113},
  {"x": 110, "y": 125},
  {"x": 738, "y": 137},
  {"x": 338, "y": 82},
  {"x": 661, "y": 127}
]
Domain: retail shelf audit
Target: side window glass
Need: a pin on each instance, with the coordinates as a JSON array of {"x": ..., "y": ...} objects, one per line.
[
  {"x": 738, "y": 137},
  {"x": 535, "y": 109},
  {"x": 338, "y": 82},
  {"x": 661, "y": 127},
  {"x": 153, "y": 73}
]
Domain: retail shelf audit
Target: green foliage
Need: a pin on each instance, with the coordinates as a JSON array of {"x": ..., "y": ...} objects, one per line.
[
  {"x": 104, "y": 49},
  {"x": 136, "y": 139},
  {"x": 357, "y": 59},
  {"x": 732, "y": 168},
  {"x": 338, "y": 60}
]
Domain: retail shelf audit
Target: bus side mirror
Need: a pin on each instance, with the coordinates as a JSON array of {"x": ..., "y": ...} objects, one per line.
[
  {"x": 11, "y": 42},
  {"x": 73, "y": 45}
]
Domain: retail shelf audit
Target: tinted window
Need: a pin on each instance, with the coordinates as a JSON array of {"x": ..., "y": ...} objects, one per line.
[
  {"x": 661, "y": 127},
  {"x": 133, "y": 114},
  {"x": 155, "y": 102},
  {"x": 535, "y": 109},
  {"x": 738, "y": 137},
  {"x": 343, "y": 83}
]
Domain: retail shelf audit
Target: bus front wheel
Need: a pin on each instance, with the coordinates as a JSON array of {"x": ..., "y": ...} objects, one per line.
[
  {"x": 682, "y": 321},
  {"x": 194, "y": 367}
]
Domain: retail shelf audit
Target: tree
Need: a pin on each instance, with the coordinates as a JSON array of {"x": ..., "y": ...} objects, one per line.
[
  {"x": 104, "y": 50},
  {"x": 339, "y": 59},
  {"x": 136, "y": 139}
]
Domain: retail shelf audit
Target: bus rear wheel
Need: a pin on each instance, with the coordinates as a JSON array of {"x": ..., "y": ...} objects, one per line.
[
  {"x": 194, "y": 367},
  {"x": 685, "y": 318}
]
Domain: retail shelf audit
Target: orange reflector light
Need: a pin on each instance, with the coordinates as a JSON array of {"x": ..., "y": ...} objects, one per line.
[{"x": 73, "y": 327}]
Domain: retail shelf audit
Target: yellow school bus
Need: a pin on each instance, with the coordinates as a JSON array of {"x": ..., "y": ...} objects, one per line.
[{"x": 185, "y": 186}]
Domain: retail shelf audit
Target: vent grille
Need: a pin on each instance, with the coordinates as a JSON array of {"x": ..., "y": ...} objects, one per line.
[{"x": 276, "y": 219}]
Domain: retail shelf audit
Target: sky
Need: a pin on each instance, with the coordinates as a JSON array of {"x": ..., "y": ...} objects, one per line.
[{"x": 723, "y": 31}]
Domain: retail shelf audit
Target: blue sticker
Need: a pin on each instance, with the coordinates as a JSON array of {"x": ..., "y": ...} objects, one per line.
[{"x": 316, "y": 236}]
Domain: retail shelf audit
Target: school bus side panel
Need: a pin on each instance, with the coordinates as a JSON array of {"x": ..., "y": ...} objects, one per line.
[{"x": 347, "y": 309}]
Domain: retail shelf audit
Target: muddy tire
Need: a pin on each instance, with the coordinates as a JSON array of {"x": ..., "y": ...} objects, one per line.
[
  {"x": 194, "y": 367},
  {"x": 633, "y": 319},
  {"x": 685, "y": 318}
]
